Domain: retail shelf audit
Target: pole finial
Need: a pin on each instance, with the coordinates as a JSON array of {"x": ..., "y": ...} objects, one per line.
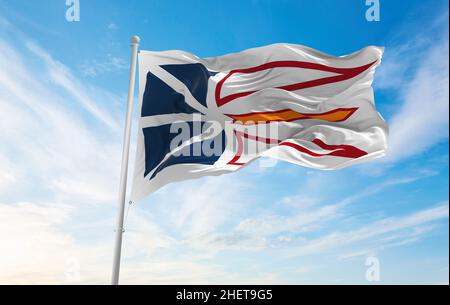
[{"x": 135, "y": 39}]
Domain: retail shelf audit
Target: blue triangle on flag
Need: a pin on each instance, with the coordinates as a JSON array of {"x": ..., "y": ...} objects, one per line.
[
  {"x": 194, "y": 76},
  {"x": 159, "y": 98}
]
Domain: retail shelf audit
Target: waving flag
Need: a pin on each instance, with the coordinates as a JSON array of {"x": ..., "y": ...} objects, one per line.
[{"x": 215, "y": 115}]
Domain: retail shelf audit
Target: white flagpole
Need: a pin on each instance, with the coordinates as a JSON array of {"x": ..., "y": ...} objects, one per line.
[{"x": 124, "y": 169}]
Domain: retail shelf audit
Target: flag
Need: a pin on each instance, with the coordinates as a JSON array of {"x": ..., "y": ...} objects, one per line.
[{"x": 215, "y": 115}]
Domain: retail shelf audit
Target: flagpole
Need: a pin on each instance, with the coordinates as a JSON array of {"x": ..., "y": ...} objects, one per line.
[{"x": 124, "y": 168}]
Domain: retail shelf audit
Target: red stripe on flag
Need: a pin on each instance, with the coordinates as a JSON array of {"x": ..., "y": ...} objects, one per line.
[
  {"x": 240, "y": 143},
  {"x": 345, "y": 73},
  {"x": 345, "y": 151}
]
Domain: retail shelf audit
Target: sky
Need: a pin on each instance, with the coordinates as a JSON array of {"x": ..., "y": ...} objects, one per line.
[{"x": 63, "y": 89}]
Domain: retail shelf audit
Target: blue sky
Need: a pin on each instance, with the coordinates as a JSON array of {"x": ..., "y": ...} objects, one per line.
[{"x": 62, "y": 104}]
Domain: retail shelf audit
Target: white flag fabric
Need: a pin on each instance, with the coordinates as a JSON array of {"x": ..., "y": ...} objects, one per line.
[{"x": 288, "y": 102}]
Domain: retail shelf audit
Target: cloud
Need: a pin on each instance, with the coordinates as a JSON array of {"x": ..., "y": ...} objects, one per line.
[
  {"x": 314, "y": 214},
  {"x": 202, "y": 221},
  {"x": 302, "y": 221},
  {"x": 34, "y": 250},
  {"x": 374, "y": 231},
  {"x": 189, "y": 272},
  {"x": 61, "y": 76},
  {"x": 62, "y": 253},
  {"x": 419, "y": 70},
  {"x": 204, "y": 210},
  {"x": 46, "y": 137},
  {"x": 112, "y": 26},
  {"x": 8, "y": 174},
  {"x": 299, "y": 201},
  {"x": 110, "y": 64}
]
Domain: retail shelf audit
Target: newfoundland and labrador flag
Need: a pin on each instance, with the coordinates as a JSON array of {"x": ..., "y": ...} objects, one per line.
[{"x": 215, "y": 115}]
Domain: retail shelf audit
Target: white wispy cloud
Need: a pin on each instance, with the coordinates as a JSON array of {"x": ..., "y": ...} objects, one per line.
[
  {"x": 112, "y": 26},
  {"x": 109, "y": 64},
  {"x": 33, "y": 249},
  {"x": 48, "y": 136},
  {"x": 374, "y": 231},
  {"x": 418, "y": 70},
  {"x": 9, "y": 173},
  {"x": 310, "y": 216},
  {"x": 42, "y": 251},
  {"x": 62, "y": 76}
]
